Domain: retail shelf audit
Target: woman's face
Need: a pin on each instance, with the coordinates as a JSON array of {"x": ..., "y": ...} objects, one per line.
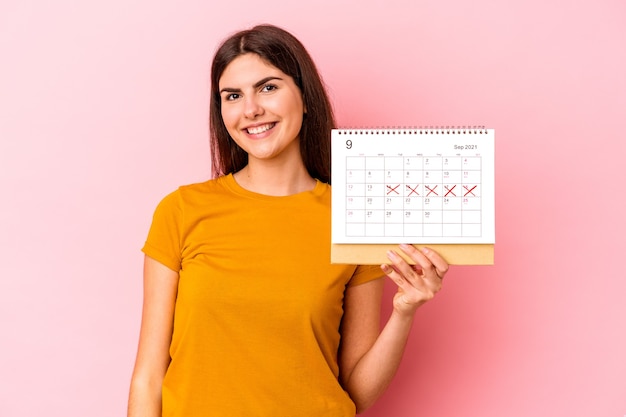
[{"x": 262, "y": 108}]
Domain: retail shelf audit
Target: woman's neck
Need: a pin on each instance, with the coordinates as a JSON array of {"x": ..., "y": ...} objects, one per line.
[{"x": 275, "y": 179}]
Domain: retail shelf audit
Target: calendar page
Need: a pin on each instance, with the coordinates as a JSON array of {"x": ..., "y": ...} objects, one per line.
[{"x": 423, "y": 186}]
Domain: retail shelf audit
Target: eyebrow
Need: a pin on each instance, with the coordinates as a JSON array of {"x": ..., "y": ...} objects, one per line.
[{"x": 256, "y": 85}]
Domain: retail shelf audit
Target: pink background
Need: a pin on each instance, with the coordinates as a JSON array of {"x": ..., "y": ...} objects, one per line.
[{"x": 103, "y": 110}]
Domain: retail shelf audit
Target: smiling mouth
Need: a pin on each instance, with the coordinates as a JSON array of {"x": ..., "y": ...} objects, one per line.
[{"x": 260, "y": 129}]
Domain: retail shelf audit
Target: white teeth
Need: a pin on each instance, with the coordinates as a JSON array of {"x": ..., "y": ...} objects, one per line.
[{"x": 260, "y": 129}]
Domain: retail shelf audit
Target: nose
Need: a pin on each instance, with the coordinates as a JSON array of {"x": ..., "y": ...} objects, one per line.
[{"x": 252, "y": 108}]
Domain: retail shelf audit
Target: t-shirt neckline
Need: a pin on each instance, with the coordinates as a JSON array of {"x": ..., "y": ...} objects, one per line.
[{"x": 230, "y": 182}]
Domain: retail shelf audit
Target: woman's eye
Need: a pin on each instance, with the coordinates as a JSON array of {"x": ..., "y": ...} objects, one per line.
[
  {"x": 231, "y": 96},
  {"x": 268, "y": 87}
]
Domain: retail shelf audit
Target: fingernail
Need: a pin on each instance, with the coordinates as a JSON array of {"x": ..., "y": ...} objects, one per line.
[
  {"x": 404, "y": 246},
  {"x": 425, "y": 251},
  {"x": 391, "y": 254}
]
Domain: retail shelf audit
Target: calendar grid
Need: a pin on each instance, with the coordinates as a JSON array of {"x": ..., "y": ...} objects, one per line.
[{"x": 415, "y": 196}]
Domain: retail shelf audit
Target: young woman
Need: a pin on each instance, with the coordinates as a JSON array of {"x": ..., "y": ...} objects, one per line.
[{"x": 243, "y": 313}]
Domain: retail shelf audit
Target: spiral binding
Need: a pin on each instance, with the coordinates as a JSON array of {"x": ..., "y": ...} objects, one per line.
[{"x": 416, "y": 130}]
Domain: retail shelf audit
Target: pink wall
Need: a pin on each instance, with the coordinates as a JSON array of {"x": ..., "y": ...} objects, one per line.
[{"x": 103, "y": 110}]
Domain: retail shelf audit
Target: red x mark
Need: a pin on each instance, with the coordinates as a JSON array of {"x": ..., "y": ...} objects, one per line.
[
  {"x": 431, "y": 190},
  {"x": 413, "y": 190},
  {"x": 392, "y": 189},
  {"x": 469, "y": 190},
  {"x": 450, "y": 191}
]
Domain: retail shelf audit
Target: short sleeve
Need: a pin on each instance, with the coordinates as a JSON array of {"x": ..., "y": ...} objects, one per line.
[
  {"x": 365, "y": 273},
  {"x": 164, "y": 238}
]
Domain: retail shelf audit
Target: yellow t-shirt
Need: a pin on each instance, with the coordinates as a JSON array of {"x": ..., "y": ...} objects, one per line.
[{"x": 256, "y": 325}]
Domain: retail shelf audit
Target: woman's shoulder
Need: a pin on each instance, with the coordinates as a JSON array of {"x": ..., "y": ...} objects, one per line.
[
  {"x": 215, "y": 187},
  {"x": 194, "y": 192},
  {"x": 203, "y": 186}
]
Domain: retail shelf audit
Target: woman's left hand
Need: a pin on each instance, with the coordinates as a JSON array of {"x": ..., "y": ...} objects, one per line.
[{"x": 416, "y": 283}]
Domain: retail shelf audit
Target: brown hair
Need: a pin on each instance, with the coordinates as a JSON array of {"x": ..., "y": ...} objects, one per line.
[{"x": 282, "y": 50}]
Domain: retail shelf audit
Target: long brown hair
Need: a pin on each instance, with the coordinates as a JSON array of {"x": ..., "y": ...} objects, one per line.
[{"x": 282, "y": 50}]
